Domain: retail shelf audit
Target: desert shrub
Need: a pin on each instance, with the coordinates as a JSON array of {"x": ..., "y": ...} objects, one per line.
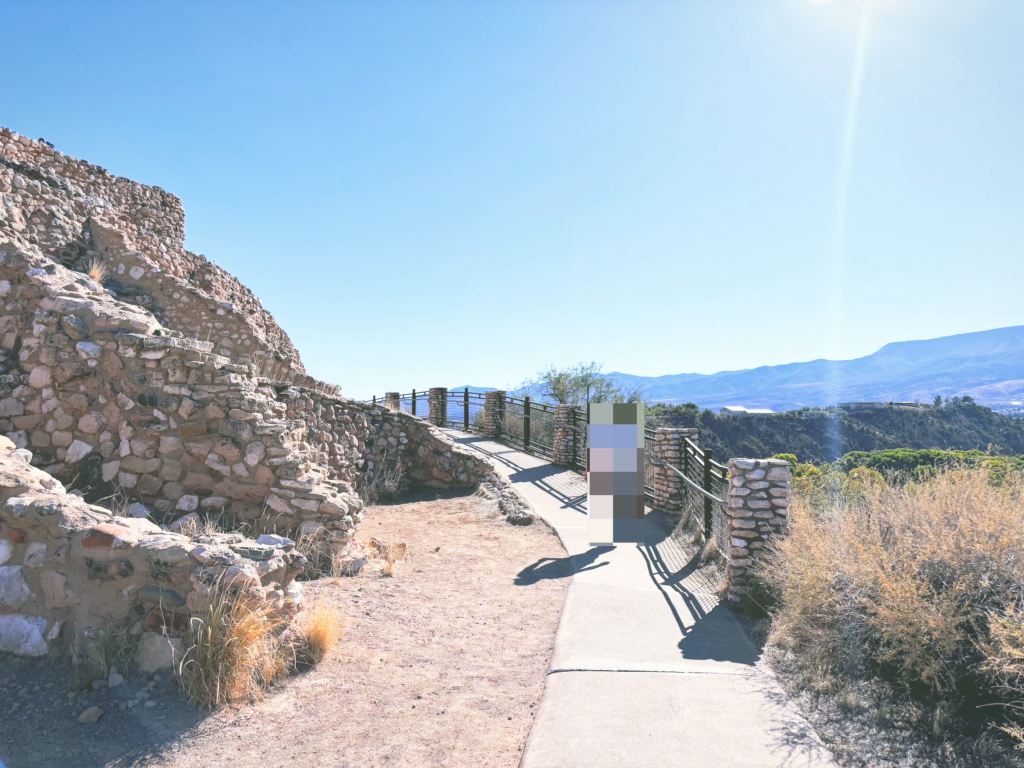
[
  {"x": 790, "y": 458},
  {"x": 919, "y": 584}
]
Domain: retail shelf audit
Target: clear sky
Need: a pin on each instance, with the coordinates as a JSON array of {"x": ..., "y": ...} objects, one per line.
[{"x": 442, "y": 193}]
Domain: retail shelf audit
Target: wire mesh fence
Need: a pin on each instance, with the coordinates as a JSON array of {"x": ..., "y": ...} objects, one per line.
[
  {"x": 465, "y": 410},
  {"x": 703, "y": 472},
  {"x": 529, "y": 425},
  {"x": 650, "y": 436}
]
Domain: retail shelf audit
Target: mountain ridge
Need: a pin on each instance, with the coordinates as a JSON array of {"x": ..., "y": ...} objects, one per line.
[{"x": 987, "y": 365}]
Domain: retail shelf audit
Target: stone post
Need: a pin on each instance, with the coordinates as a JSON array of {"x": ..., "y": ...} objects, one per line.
[
  {"x": 437, "y": 405},
  {"x": 494, "y": 412},
  {"x": 668, "y": 486},
  {"x": 561, "y": 452},
  {"x": 392, "y": 401},
  {"x": 758, "y": 509}
]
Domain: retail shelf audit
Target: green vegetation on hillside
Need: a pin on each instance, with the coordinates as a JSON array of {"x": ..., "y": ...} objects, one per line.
[{"x": 819, "y": 436}]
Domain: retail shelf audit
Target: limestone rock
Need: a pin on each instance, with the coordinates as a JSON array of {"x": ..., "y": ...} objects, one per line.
[
  {"x": 23, "y": 635},
  {"x": 14, "y": 590}
]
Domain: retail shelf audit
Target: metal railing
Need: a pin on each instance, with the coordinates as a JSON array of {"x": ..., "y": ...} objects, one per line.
[
  {"x": 529, "y": 426},
  {"x": 464, "y": 410},
  {"x": 650, "y": 437}
]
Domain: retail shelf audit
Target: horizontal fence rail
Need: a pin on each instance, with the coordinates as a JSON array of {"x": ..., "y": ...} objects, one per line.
[{"x": 465, "y": 410}]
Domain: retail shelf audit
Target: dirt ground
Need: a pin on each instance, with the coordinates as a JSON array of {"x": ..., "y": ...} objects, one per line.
[{"x": 442, "y": 664}]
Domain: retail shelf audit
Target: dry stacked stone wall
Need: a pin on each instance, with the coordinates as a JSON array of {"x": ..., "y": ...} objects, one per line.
[
  {"x": 64, "y": 562},
  {"x": 99, "y": 396},
  {"x": 77, "y": 212},
  {"x": 758, "y": 509}
]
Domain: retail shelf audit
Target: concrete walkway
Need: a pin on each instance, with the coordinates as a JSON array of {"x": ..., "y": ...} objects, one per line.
[{"x": 649, "y": 670}]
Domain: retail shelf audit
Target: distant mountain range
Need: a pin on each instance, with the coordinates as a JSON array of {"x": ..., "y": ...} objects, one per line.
[{"x": 987, "y": 365}]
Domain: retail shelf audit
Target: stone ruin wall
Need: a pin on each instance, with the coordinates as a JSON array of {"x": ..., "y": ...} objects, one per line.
[
  {"x": 104, "y": 397},
  {"x": 77, "y": 212},
  {"x": 66, "y": 563}
]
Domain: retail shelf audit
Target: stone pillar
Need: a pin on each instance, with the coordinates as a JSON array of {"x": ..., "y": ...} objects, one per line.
[
  {"x": 668, "y": 486},
  {"x": 758, "y": 509},
  {"x": 437, "y": 405},
  {"x": 561, "y": 452},
  {"x": 392, "y": 401},
  {"x": 494, "y": 412}
]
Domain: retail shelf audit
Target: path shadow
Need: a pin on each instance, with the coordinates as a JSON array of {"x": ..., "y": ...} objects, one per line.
[
  {"x": 561, "y": 567},
  {"x": 561, "y": 483},
  {"x": 715, "y": 634}
]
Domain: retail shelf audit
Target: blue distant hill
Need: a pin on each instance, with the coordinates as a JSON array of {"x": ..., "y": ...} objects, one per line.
[{"x": 987, "y": 365}]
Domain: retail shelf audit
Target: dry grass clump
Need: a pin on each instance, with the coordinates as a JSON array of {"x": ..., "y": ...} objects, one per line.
[
  {"x": 232, "y": 652},
  {"x": 316, "y": 634},
  {"x": 239, "y": 647},
  {"x": 921, "y": 584},
  {"x": 96, "y": 270},
  {"x": 386, "y": 486}
]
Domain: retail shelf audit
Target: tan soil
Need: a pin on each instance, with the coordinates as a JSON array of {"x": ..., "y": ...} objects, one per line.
[{"x": 442, "y": 665}]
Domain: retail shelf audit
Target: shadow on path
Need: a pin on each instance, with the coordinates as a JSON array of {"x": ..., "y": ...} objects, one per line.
[
  {"x": 707, "y": 627},
  {"x": 567, "y": 487},
  {"x": 559, "y": 568}
]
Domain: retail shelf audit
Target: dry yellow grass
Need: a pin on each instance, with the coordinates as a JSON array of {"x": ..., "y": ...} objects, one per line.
[
  {"x": 919, "y": 583},
  {"x": 318, "y": 631},
  {"x": 97, "y": 270},
  {"x": 232, "y": 651}
]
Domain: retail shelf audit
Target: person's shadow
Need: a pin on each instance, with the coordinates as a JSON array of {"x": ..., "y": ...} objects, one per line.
[{"x": 560, "y": 567}]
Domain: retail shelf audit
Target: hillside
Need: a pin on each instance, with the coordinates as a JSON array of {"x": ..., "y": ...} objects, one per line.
[
  {"x": 824, "y": 435},
  {"x": 987, "y": 365}
]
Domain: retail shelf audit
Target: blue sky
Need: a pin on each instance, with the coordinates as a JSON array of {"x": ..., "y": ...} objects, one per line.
[{"x": 440, "y": 193}]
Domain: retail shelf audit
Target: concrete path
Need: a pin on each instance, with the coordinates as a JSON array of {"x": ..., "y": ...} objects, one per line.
[{"x": 649, "y": 670}]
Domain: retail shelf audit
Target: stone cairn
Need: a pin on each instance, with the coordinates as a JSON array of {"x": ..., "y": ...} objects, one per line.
[
  {"x": 758, "y": 509},
  {"x": 393, "y": 401},
  {"x": 668, "y": 486}
]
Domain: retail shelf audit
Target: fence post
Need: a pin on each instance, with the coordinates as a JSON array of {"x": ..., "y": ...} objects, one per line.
[
  {"x": 562, "y": 447},
  {"x": 465, "y": 410},
  {"x": 437, "y": 403},
  {"x": 393, "y": 401},
  {"x": 374, "y": 399},
  {"x": 526, "y": 423},
  {"x": 414, "y": 402},
  {"x": 670, "y": 448},
  {"x": 494, "y": 408},
  {"x": 758, "y": 509},
  {"x": 709, "y": 529}
]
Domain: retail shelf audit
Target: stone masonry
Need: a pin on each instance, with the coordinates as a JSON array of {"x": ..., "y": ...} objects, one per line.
[
  {"x": 758, "y": 509},
  {"x": 166, "y": 385},
  {"x": 668, "y": 486},
  {"x": 565, "y": 435},
  {"x": 437, "y": 404},
  {"x": 494, "y": 412}
]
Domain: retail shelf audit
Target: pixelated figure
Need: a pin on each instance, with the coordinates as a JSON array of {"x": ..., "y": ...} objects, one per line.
[{"x": 615, "y": 492}]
